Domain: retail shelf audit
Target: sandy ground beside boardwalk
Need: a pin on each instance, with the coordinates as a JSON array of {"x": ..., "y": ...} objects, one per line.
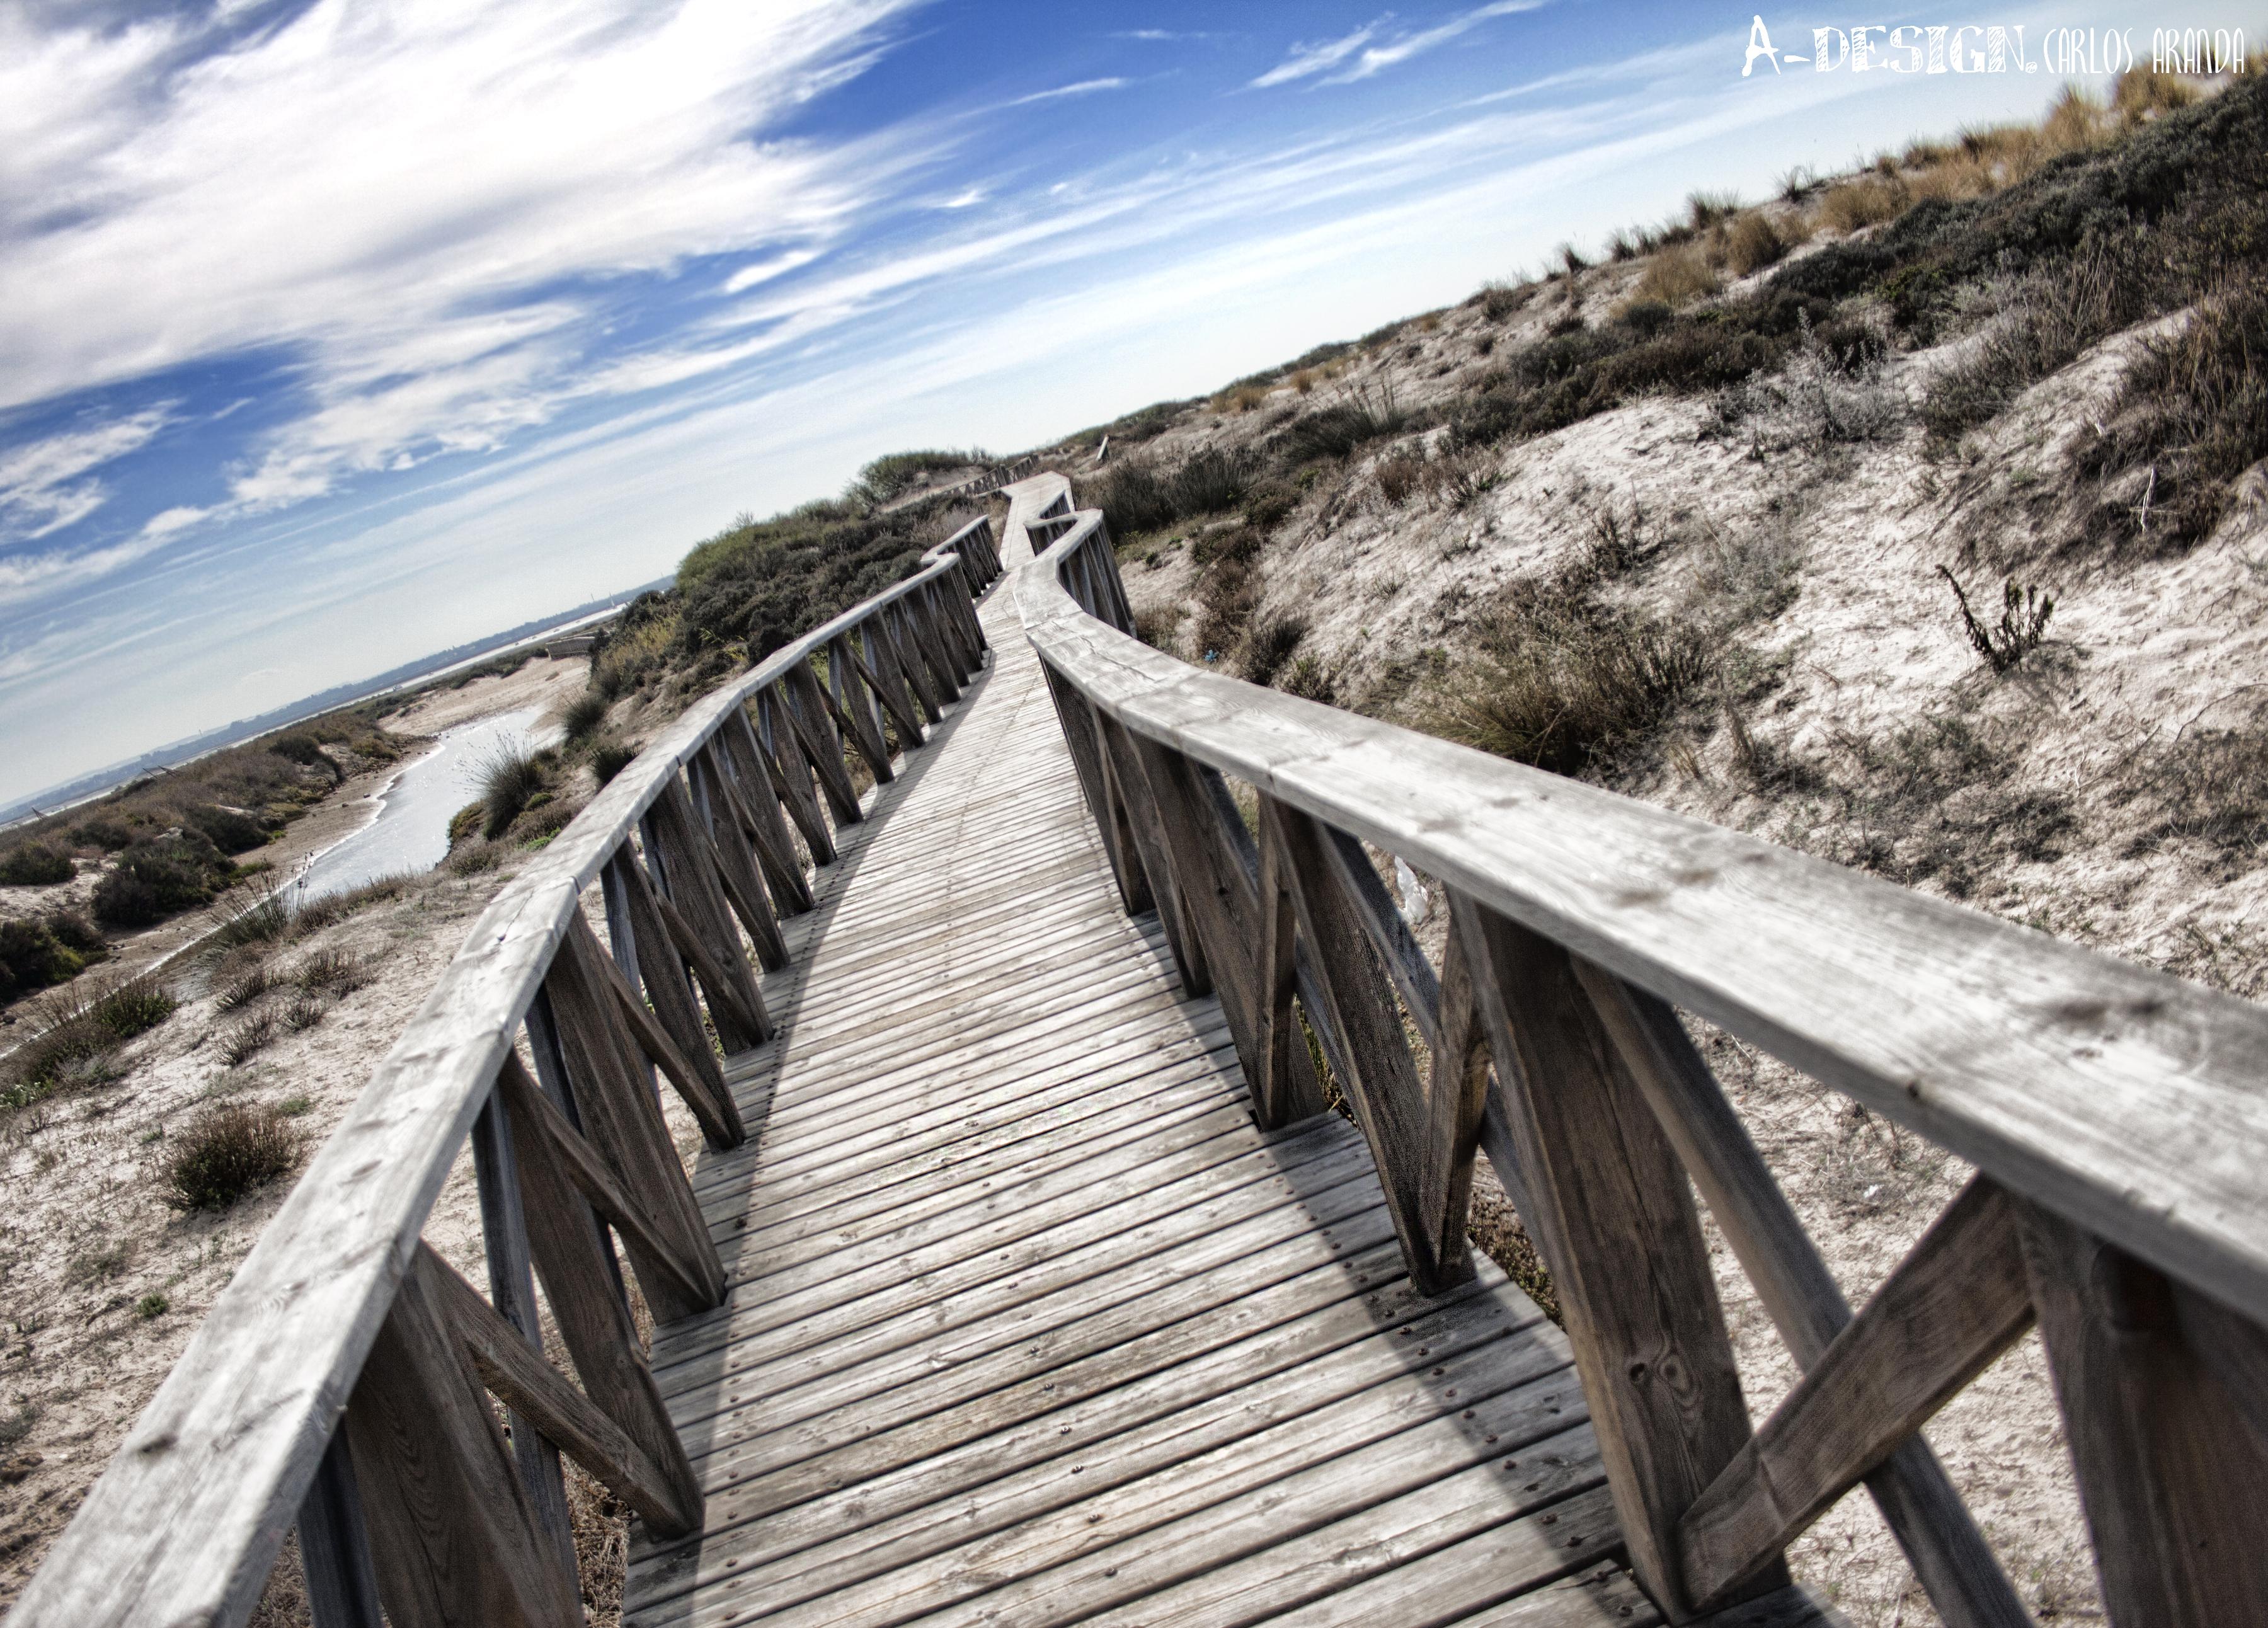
[{"x": 89, "y": 1247}]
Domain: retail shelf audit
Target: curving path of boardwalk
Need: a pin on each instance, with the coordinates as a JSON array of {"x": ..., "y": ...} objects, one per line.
[{"x": 1029, "y": 1324}]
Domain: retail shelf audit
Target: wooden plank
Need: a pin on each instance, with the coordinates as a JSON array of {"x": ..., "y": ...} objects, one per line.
[
  {"x": 668, "y": 987},
  {"x": 1212, "y": 888},
  {"x": 856, "y": 709},
  {"x": 451, "y": 1534},
  {"x": 700, "y": 923},
  {"x": 2119, "y": 1096},
  {"x": 1380, "y": 1077},
  {"x": 814, "y": 730},
  {"x": 1093, "y": 785},
  {"x": 512, "y": 1287},
  {"x": 696, "y": 1277},
  {"x": 593, "y": 1319},
  {"x": 1957, "y": 1300},
  {"x": 621, "y": 1121},
  {"x": 779, "y": 752},
  {"x": 738, "y": 869},
  {"x": 2174, "y": 1481},
  {"x": 697, "y": 1078},
  {"x": 898, "y": 644},
  {"x": 1284, "y": 1091},
  {"x": 1151, "y": 850},
  {"x": 334, "y": 1547},
  {"x": 534, "y": 1389},
  {"x": 1614, "y": 1220},
  {"x": 759, "y": 804},
  {"x": 1956, "y": 1564},
  {"x": 1336, "y": 1376},
  {"x": 881, "y": 674}
]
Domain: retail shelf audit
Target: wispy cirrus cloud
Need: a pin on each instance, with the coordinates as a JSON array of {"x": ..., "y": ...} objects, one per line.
[
  {"x": 50, "y": 483},
  {"x": 1354, "y": 56},
  {"x": 1310, "y": 57},
  {"x": 1084, "y": 87}
]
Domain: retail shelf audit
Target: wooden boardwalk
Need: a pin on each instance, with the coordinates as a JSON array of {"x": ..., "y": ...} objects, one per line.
[{"x": 1028, "y": 1323}]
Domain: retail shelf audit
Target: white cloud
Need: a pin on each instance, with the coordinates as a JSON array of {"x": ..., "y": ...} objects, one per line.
[
  {"x": 47, "y": 484},
  {"x": 1084, "y": 87},
  {"x": 1311, "y": 57},
  {"x": 1403, "y": 48},
  {"x": 380, "y": 189}
]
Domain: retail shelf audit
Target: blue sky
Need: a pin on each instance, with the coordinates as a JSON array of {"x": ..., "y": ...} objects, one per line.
[{"x": 334, "y": 334}]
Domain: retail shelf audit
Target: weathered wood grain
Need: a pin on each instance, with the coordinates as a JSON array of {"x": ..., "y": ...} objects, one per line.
[
  {"x": 1382, "y": 1078},
  {"x": 2128, "y": 1100},
  {"x": 1956, "y": 1564},
  {"x": 452, "y": 1536},
  {"x": 2174, "y": 1480},
  {"x": 1612, "y": 1215},
  {"x": 519, "y": 1376},
  {"x": 1957, "y": 1300}
]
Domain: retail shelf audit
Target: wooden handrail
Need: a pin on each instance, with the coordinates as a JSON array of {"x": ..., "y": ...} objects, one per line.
[
  {"x": 331, "y": 1316},
  {"x": 2118, "y": 1115}
]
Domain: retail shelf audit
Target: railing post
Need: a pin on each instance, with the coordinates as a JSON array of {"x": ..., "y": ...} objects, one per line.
[
  {"x": 511, "y": 1290},
  {"x": 2173, "y": 1475},
  {"x": 1956, "y": 1567},
  {"x": 452, "y": 1537},
  {"x": 1610, "y": 1211},
  {"x": 334, "y": 1545}
]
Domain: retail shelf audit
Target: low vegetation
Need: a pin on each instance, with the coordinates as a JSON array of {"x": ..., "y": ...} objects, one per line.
[
  {"x": 226, "y": 1153},
  {"x": 77, "y": 1039}
]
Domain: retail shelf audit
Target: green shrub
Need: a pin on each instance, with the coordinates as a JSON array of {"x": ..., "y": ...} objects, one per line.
[
  {"x": 227, "y": 1153},
  {"x": 33, "y": 865},
  {"x": 31, "y": 959},
  {"x": 1137, "y": 496},
  {"x": 266, "y": 920},
  {"x": 1360, "y": 417},
  {"x": 131, "y": 1008},
  {"x": 582, "y": 717},
  {"x": 509, "y": 780},
  {"x": 610, "y": 756},
  {"x": 157, "y": 878},
  {"x": 101, "y": 832},
  {"x": 231, "y": 830}
]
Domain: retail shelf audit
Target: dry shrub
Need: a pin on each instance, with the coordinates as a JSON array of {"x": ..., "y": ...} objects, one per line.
[
  {"x": 1269, "y": 645},
  {"x": 1226, "y": 600},
  {"x": 1675, "y": 276},
  {"x": 1159, "y": 628},
  {"x": 1753, "y": 243},
  {"x": 2076, "y": 121},
  {"x": 2190, "y": 417},
  {"x": 1239, "y": 398},
  {"x": 2213, "y": 785},
  {"x": 1499, "y": 300},
  {"x": 1398, "y": 476},
  {"x": 1304, "y": 380},
  {"x": 239, "y": 1045},
  {"x": 1561, "y": 680},
  {"x": 332, "y": 972},
  {"x": 226, "y": 1153},
  {"x": 2053, "y": 314},
  {"x": 1867, "y": 201},
  {"x": 2142, "y": 93},
  {"x": 1461, "y": 479}
]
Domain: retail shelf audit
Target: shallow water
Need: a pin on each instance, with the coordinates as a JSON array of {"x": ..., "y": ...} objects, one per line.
[{"x": 411, "y": 832}]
